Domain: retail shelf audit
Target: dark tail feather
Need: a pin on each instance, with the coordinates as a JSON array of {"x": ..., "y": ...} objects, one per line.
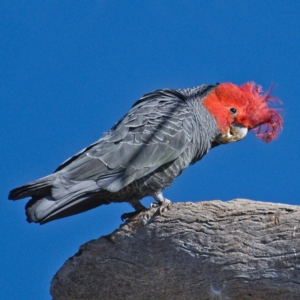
[
  {"x": 55, "y": 197},
  {"x": 47, "y": 209},
  {"x": 37, "y": 188}
]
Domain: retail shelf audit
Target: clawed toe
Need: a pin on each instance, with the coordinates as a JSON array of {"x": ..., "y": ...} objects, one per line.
[
  {"x": 161, "y": 206},
  {"x": 126, "y": 216},
  {"x": 164, "y": 206}
]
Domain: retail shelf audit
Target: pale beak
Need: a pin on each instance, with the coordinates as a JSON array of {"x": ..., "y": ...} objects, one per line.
[{"x": 233, "y": 134}]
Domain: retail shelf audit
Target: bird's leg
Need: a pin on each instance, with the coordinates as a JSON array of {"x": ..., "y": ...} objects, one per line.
[
  {"x": 138, "y": 206},
  {"x": 162, "y": 202}
]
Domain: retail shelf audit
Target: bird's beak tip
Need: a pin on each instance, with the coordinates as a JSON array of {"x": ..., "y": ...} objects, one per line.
[{"x": 234, "y": 133}]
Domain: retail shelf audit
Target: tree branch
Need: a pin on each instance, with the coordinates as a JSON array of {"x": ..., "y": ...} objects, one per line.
[{"x": 239, "y": 249}]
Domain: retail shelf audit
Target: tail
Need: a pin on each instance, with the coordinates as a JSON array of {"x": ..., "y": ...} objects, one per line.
[
  {"x": 55, "y": 197},
  {"x": 37, "y": 188},
  {"x": 47, "y": 209}
]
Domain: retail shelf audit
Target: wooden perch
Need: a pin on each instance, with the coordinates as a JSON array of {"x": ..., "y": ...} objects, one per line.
[{"x": 239, "y": 249}]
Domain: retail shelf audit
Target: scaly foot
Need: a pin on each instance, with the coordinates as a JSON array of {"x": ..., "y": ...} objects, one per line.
[
  {"x": 126, "y": 216},
  {"x": 136, "y": 204},
  {"x": 163, "y": 203}
]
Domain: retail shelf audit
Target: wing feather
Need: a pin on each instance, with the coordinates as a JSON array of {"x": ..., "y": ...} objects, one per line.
[{"x": 154, "y": 132}]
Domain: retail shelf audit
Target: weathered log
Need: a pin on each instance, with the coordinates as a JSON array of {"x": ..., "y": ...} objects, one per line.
[{"x": 239, "y": 249}]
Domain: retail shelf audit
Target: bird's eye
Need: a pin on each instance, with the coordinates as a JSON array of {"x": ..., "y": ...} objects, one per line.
[{"x": 233, "y": 111}]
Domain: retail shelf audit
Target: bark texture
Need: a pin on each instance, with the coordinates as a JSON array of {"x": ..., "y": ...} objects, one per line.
[{"x": 239, "y": 249}]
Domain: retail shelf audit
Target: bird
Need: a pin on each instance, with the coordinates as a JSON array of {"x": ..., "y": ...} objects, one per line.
[{"x": 163, "y": 133}]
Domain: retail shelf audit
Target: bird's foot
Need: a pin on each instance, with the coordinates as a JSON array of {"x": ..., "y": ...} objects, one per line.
[
  {"x": 157, "y": 204},
  {"x": 164, "y": 206},
  {"x": 162, "y": 203},
  {"x": 129, "y": 215}
]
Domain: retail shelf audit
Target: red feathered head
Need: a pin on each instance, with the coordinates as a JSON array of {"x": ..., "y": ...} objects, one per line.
[{"x": 245, "y": 105}]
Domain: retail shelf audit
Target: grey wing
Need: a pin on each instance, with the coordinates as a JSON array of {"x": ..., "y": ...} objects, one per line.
[{"x": 153, "y": 133}]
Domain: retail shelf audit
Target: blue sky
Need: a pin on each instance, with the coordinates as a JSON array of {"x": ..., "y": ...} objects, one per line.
[{"x": 70, "y": 69}]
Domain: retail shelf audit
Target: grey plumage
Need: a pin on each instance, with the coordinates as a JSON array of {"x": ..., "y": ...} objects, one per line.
[{"x": 163, "y": 133}]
